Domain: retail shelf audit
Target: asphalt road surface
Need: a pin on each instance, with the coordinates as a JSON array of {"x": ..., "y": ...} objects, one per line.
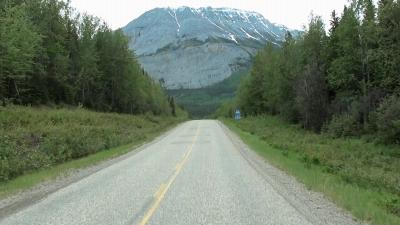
[{"x": 195, "y": 174}]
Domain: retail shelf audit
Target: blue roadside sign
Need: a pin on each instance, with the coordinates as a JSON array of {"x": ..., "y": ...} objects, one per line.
[{"x": 238, "y": 115}]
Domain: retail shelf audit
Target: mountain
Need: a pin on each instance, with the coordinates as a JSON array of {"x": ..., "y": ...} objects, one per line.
[{"x": 186, "y": 48}]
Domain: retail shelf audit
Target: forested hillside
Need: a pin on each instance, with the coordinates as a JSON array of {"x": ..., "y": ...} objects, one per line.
[
  {"x": 202, "y": 102},
  {"x": 345, "y": 82},
  {"x": 50, "y": 54}
]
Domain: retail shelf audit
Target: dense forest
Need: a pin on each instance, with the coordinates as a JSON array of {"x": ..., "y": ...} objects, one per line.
[
  {"x": 344, "y": 82},
  {"x": 50, "y": 54}
]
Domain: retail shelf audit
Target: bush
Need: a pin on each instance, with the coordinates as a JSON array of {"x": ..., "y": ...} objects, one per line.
[
  {"x": 368, "y": 165},
  {"x": 35, "y": 138},
  {"x": 344, "y": 125},
  {"x": 225, "y": 110},
  {"x": 388, "y": 120},
  {"x": 393, "y": 206}
]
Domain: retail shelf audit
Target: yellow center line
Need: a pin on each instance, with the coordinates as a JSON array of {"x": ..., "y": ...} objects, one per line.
[{"x": 160, "y": 194}]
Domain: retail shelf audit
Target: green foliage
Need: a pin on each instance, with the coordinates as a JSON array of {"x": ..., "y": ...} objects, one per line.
[
  {"x": 338, "y": 79},
  {"x": 366, "y": 164},
  {"x": 34, "y": 138},
  {"x": 204, "y": 102},
  {"x": 311, "y": 93},
  {"x": 227, "y": 110},
  {"x": 393, "y": 206},
  {"x": 19, "y": 44},
  {"x": 346, "y": 66},
  {"x": 52, "y": 55},
  {"x": 388, "y": 120},
  {"x": 389, "y": 49},
  {"x": 289, "y": 81},
  {"x": 344, "y": 125},
  {"x": 359, "y": 176}
]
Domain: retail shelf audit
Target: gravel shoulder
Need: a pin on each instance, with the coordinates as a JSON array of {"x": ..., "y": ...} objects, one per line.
[{"x": 315, "y": 206}]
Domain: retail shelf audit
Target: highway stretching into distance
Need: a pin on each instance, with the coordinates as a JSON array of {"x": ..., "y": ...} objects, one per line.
[{"x": 195, "y": 174}]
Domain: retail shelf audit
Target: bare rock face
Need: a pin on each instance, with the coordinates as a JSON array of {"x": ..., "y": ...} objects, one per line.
[{"x": 194, "y": 48}]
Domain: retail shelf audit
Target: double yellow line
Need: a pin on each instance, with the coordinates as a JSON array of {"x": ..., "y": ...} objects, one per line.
[{"x": 160, "y": 194}]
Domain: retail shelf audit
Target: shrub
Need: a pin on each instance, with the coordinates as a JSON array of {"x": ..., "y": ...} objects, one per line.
[
  {"x": 388, "y": 120},
  {"x": 34, "y": 138},
  {"x": 344, "y": 125},
  {"x": 225, "y": 110},
  {"x": 393, "y": 206},
  {"x": 355, "y": 161}
]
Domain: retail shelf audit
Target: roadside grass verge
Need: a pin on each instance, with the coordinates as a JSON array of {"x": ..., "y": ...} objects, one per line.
[
  {"x": 33, "y": 178},
  {"x": 41, "y": 144},
  {"x": 358, "y": 176}
]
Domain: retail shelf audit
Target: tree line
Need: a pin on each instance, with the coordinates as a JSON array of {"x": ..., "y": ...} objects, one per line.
[
  {"x": 50, "y": 54},
  {"x": 345, "y": 82}
]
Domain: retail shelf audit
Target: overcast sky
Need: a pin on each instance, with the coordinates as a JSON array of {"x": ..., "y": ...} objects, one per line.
[{"x": 292, "y": 13}]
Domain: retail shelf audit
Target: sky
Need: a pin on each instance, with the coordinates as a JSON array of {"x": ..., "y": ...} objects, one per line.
[{"x": 291, "y": 13}]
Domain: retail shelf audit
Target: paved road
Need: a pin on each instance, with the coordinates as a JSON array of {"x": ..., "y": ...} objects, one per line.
[{"x": 194, "y": 175}]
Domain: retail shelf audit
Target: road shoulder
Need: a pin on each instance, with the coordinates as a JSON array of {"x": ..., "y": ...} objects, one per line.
[
  {"x": 314, "y": 206},
  {"x": 23, "y": 199}
]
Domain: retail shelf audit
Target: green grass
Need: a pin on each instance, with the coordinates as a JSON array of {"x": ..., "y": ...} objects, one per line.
[
  {"x": 311, "y": 158},
  {"x": 31, "y": 179},
  {"x": 40, "y": 144}
]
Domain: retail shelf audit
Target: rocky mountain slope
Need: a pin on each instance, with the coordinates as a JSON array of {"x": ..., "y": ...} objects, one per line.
[{"x": 188, "y": 48}]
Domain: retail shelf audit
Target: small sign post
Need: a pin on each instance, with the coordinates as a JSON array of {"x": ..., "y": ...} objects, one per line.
[{"x": 238, "y": 115}]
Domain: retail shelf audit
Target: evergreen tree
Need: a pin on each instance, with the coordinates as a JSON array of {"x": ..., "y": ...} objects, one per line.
[
  {"x": 49, "y": 54},
  {"x": 19, "y": 44},
  {"x": 389, "y": 47},
  {"x": 88, "y": 73},
  {"x": 311, "y": 97},
  {"x": 339, "y": 80},
  {"x": 289, "y": 69},
  {"x": 368, "y": 42},
  {"x": 345, "y": 69}
]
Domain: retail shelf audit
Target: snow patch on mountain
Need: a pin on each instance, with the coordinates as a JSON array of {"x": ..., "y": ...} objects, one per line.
[{"x": 193, "y": 48}]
